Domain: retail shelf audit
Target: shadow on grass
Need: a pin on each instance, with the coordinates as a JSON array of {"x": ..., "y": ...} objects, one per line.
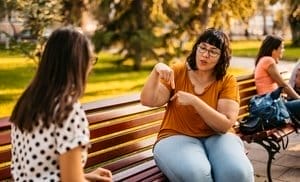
[
  {"x": 16, "y": 78},
  {"x": 107, "y": 73}
]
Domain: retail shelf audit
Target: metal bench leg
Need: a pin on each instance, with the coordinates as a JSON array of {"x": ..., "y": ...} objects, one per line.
[{"x": 272, "y": 148}]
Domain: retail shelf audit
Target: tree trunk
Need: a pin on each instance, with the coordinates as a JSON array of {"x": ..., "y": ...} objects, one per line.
[
  {"x": 12, "y": 27},
  {"x": 294, "y": 20},
  {"x": 206, "y": 7},
  {"x": 295, "y": 29},
  {"x": 264, "y": 16}
]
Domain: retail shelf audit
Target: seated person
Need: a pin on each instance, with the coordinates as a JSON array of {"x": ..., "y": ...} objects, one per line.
[
  {"x": 295, "y": 78},
  {"x": 49, "y": 132},
  {"x": 267, "y": 75},
  {"x": 202, "y": 105}
]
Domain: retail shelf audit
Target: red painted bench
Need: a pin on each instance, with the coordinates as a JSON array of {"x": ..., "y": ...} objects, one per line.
[{"x": 123, "y": 133}]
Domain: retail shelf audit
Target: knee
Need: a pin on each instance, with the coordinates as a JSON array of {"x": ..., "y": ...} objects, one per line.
[
  {"x": 241, "y": 173},
  {"x": 203, "y": 174},
  {"x": 183, "y": 172}
]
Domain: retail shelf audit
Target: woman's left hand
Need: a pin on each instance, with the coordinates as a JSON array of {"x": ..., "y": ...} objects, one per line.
[
  {"x": 100, "y": 174},
  {"x": 184, "y": 98}
]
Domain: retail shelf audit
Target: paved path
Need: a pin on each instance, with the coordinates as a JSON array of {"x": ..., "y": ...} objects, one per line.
[
  {"x": 248, "y": 63},
  {"x": 286, "y": 166}
]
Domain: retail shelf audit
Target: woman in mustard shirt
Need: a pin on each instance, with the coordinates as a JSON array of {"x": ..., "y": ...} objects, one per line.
[{"x": 194, "y": 142}]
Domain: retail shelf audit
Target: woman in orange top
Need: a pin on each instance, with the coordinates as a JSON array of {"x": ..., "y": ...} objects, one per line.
[
  {"x": 267, "y": 75},
  {"x": 202, "y": 105}
]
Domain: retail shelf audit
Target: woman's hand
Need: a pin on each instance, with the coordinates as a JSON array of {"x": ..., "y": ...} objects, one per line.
[
  {"x": 99, "y": 175},
  {"x": 165, "y": 73},
  {"x": 184, "y": 98}
]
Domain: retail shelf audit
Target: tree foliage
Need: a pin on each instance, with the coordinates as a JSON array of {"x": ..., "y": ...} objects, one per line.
[
  {"x": 161, "y": 29},
  {"x": 294, "y": 20},
  {"x": 142, "y": 29},
  {"x": 127, "y": 26},
  {"x": 39, "y": 15}
]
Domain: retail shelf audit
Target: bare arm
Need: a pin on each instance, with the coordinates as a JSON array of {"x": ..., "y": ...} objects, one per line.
[
  {"x": 221, "y": 119},
  {"x": 72, "y": 172},
  {"x": 154, "y": 93},
  {"x": 75, "y": 173},
  {"x": 275, "y": 75}
]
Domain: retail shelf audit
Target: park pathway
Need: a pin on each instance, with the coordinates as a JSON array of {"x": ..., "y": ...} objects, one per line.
[{"x": 248, "y": 63}]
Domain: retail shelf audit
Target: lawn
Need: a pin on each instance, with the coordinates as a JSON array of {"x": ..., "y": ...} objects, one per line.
[
  {"x": 250, "y": 49},
  {"x": 106, "y": 79}
]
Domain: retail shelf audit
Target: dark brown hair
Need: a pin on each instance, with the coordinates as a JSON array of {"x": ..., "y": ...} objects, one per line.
[
  {"x": 58, "y": 83},
  {"x": 270, "y": 43},
  {"x": 218, "y": 39}
]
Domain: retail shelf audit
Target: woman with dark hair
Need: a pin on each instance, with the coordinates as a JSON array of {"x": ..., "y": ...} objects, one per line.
[
  {"x": 194, "y": 142},
  {"x": 50, "y": 133},
  {"x": 267, "y": 75},
  {"x": 295, "y": 78}
]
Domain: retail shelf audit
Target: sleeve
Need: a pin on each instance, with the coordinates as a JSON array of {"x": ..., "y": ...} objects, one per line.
[
  {"x": 230, "y": 89},
  {"x": 73, "y": 132},
  {"x": 266, "y": 62}
]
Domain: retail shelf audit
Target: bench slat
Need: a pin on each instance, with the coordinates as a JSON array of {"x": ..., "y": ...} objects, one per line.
[
  {"x": 145, "y": 174},
  {"x": 120, "y": 125},
  {"x": 4, "y": 124},
  {"x": 102, "y": 157},
  {"x": 117, "y": 113},
  {"x": 124, "y": 175},
  {"x": 130, "y": 160},
  {"x": 124, "y": 138}
]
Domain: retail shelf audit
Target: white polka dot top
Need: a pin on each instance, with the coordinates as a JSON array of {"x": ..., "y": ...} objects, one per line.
[{"x": 35, "y": 155}]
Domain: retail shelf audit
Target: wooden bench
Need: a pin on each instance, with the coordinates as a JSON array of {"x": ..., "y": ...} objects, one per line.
[
  {"x": 272, "y": 140},
  {"x": 123, "y": 133}
]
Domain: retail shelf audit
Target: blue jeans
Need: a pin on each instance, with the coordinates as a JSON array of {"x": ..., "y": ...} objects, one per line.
[
  {"x": 293, "y": 106},
  {"x": 219, "y": 158}
]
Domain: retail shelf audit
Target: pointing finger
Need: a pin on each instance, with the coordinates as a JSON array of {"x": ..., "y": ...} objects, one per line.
[{"x": 172, "y": 82}]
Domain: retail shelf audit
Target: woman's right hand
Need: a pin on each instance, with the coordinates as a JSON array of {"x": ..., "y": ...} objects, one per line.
[{"x": 165, "y": 73}]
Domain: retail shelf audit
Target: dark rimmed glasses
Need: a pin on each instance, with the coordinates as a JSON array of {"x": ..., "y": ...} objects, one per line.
[{"x": 211, "y": 52}]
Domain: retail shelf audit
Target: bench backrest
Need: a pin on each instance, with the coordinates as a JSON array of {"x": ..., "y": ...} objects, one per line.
[
  {"x": 247, "y": 90},
  {"x": 122, "y": 134}
]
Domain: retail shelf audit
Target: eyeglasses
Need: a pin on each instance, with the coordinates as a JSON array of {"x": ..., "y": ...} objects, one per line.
[
  {"x": 212, "y": 53},
  {"x": 94, "y": 60}
]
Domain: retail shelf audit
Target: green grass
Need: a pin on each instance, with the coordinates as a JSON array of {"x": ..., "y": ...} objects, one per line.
[
  {"x": 106, "y": 79},
  {"x": 250, "y": 49}
]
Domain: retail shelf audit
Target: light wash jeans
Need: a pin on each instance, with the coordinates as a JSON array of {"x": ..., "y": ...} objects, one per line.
[{"x": 219, "y": 158}]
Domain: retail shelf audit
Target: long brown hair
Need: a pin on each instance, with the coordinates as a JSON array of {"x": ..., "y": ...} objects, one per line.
[
  {"x": 58, "y": 83},
  {"x": 270, "y": 43}
]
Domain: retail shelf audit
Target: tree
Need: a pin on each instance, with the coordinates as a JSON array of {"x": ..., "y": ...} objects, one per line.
[
  {"x": 294, "y": 20},
  {"x": 292, "y": 9},
  {"x": 160, "y": 28},
  {"x": 6, "y": 11},
  {"x": 127, "y": 25},
  {"x": 37, "y": 16},
  {"x": 74, "y": 12}
]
